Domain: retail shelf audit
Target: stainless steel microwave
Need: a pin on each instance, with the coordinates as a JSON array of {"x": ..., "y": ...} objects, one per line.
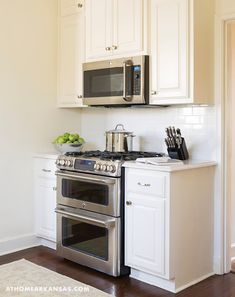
[{"x": 120, "y": 82}]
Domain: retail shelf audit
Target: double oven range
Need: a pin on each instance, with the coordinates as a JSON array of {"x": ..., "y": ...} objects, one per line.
[{"x": 90, "y": 208}]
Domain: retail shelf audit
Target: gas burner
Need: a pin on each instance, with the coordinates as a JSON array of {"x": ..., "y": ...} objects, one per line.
[
  {"x": 73, "y": 154},
  {"x": 128, "y": 156},
  {"x": 90, "y": 154}
]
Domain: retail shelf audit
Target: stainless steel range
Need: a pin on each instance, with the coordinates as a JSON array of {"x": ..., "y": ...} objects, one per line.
[{"x": 90, "y": 212}]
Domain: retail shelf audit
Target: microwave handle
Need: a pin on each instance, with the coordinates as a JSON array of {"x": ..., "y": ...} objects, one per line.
[{"x": 125, "y": 78}]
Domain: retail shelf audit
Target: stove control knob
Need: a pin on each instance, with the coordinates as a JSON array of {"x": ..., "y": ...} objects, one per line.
[
  {"x": 68, "y": 163},
  {"x": 62, "y": 162},
  {"x": 112, "y": 168},
  {"x": 104, "y": 167},
  {"x": 97, "y": 166},
  {"x": 57, "y": 162}
]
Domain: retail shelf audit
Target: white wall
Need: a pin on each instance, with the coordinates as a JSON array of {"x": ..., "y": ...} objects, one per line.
[
  {"x": 29, "y": 119},
  {"x": 225, "y": 7},
  {"x": 198, "y": 125}
]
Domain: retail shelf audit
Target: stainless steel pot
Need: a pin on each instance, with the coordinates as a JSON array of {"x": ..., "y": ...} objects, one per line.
[{"x": 119, "y": 140}]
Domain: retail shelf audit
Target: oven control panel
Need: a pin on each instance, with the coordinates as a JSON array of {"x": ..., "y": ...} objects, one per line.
[
  {"x": 81, "y": 164},
  {"x": 102, "y": 167}
]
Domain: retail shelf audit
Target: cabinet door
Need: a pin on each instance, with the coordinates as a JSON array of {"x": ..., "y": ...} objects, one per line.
[
  {"x": 98, "y": 28},
  {"x": 45, "y": 208},
  {"x": 70, "y": 59},
  {"x": 169, "y": 49},
  {"x": 145, "y": 233},
  {"x": 68, "y": 7},
  {"x": 127, "y": 26}
]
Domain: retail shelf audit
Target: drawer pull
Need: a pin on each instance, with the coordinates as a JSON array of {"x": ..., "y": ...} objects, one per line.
[
  {"x": 143, "y": 185},
  {"x": 154, "y": 93},
  {"x": 46, "y": 170},
  {"x": 128, "y": 203},
  {"x": 54, "y": 188}
]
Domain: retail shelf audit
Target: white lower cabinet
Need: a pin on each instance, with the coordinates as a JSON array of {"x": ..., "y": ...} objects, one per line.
[
  {"x": 145, "y": 221},
  {"x": 169, "y": 224},
  {"x": 45, "y": 198}
]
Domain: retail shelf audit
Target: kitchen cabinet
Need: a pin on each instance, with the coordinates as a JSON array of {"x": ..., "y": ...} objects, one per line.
[
  {"x": 169, "y": 222},
  {"x": 145, "y": 233},
  {"x": 114, "y": 28},
  {"x": 69, "y": 7},
  {"x": 45, "y": 197},
  {"x": 181, "y": 51},
  {"x": 70, "y": 53}
]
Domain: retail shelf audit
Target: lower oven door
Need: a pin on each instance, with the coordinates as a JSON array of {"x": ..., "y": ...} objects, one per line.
[
  {"x": 90, "y": 192},
  {"x": 89, "y": 239}
]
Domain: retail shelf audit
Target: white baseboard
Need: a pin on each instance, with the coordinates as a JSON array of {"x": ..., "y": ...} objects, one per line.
[
  {"x": 233, "y": 250},
  {"x": 14, "y": 244},
  {"x": 169, "y": 285},
  {"x": 48, "y": 243},
  {"x": 194, "y": 282}
]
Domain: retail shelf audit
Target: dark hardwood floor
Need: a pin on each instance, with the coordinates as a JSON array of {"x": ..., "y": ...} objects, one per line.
[{"x": 216, "y": 286}]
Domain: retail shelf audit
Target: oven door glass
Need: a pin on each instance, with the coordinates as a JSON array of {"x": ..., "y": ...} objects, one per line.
[
  {"x": 107, "y": 82},
  {"x": 85, "y": 238},
  {"x": 85, "y": 191}
]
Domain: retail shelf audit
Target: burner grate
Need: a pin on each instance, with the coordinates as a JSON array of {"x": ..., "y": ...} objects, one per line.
[{"x": 105, "y": 155}]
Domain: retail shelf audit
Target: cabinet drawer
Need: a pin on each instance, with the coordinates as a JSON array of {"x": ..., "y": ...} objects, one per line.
[
  {"x": 146, "y": 182},
  {"x": 45, "y": 167}
]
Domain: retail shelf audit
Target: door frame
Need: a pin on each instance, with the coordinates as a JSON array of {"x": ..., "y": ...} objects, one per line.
[{"x": 222, "y": 259}]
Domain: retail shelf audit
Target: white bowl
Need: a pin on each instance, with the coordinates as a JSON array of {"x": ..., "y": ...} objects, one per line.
[{"x": 68, "y": 147}]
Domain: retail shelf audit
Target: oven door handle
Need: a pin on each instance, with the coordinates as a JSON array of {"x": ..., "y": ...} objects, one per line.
[
  {"x": 86, "y": 219},
  {"x": 92, "y": 179}
]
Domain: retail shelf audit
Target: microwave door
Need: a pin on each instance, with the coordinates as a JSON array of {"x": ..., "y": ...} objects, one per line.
[{"x": 102, "y": 84}]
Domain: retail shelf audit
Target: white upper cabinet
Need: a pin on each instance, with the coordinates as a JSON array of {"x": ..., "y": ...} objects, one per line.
[
  {"x": 68, "y": 7},
  {"x": 169, "y": 47},
  {"x": 181, "y": 52},
  {"x": 114, "y": 28},
  {"x": 70, "y": 55},
  {"x": 98, "y": 28},
  {"x": 127, "y": 26}
]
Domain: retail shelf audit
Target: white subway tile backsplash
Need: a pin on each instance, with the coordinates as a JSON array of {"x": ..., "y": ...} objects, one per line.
[{"x": 198, "y": 126}]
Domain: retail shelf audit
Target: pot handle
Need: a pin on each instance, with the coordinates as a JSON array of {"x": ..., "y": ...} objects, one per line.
[{"x": 119, "y": 125}]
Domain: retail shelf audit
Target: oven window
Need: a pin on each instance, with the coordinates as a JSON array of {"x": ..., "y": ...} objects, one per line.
[
  {"x": 85, "y": 238},
  {"x": 89, "y": 192}
]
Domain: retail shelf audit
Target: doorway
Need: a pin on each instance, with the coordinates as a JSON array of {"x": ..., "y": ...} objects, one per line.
[{"x": 230, "y": 137}]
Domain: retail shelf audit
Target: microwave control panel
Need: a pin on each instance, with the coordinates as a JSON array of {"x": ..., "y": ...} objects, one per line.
[{"x": 136, "y": 80}]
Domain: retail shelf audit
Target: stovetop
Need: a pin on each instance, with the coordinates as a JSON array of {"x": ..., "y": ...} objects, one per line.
[
  {"x": 99, "y": 162},
  {"x": 105, "y": 155}
]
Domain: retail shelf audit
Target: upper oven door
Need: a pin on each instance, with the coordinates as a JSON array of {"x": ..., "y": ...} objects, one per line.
[
  {"x": 85, "y": 191},
  {"x": 116, "y": 82}
]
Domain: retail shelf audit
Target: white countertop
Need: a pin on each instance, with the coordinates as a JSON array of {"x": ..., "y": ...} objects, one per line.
[
  {"x": 47, "y": 155},
  {"x": 190, "y": 164}
]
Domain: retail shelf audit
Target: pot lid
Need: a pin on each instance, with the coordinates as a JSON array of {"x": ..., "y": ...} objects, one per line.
[{"x": 119, "y": 129}]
